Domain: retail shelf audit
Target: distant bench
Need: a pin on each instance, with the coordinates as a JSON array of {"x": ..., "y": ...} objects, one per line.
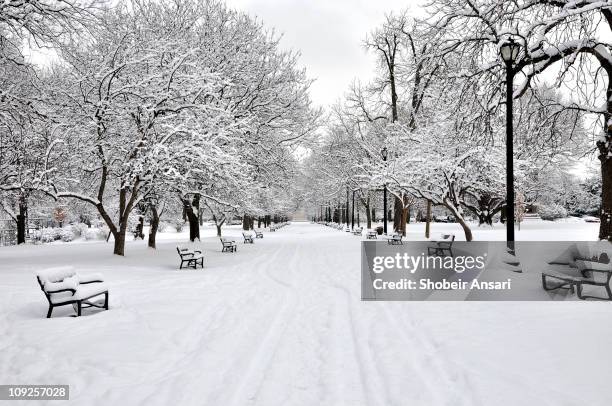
[
  {"x": 395, "y": 239},
  {"x": 442, "y": 245},
  {"x": 228, "y": 245},
  {"x": 248, "y": 238},
  {"x": 192, "y": 258}
]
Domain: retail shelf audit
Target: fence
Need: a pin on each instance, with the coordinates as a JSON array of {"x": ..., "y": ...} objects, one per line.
[{"x": 8, "y": 237}]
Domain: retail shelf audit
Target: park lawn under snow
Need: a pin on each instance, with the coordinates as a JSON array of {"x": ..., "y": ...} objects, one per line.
[{"x": 281, "y": 323}]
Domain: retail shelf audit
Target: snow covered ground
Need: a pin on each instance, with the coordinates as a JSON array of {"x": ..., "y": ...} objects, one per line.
[{"x": 281, "y": 323}]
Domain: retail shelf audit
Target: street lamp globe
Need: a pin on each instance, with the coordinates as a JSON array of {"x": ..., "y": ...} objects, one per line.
[{"x": 509, "y": 50}]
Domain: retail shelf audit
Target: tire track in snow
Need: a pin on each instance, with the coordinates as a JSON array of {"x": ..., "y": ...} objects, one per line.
[
  {"x": 375, "y": 389},
  {"x": 429, "y": 358},
  {"x": 254, "y": 377}
]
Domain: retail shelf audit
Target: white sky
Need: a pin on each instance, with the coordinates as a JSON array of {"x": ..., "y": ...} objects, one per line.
[{"x": 329, "y": 34}]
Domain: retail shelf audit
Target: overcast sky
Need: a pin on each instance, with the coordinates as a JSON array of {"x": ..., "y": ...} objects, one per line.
[{"x": 329, "y": 34}]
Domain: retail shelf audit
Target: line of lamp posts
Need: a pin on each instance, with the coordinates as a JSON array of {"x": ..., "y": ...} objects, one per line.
[{"x": 509, "y": 52}]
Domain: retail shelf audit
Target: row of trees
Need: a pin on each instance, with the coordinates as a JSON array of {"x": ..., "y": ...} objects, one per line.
[
  {"x": 147, "y": 104},
  {"x": 437, "y": 106}
]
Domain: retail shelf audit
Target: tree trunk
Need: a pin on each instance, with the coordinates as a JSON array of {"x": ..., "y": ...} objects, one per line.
[
  {"x": 353, "y": 212},
  {"x": 119, "y": 247},
  {"x": 466, "y": 228},
  {"x": 605, "y": 226},
  {"x": 21, "y": 219},
  {"x": 140, "y": 228},
  {"x": 191, "y": 210},
  {"x": 428, "y": 219},
  {"x": 154, "y": 226},
  {"x": 374, "y": 214},
  {"x": 397, "y": 214},
  {"x": 218, "y": 229},
  {"x": 246, "y": 222},
  {"x": 369, "y": 213},
  {"x": 404, "y": 221}
]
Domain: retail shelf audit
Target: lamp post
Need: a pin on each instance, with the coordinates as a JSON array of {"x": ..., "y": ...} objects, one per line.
[
  {"x": 384, "y": 152},
  {"x": 509, "y": 52}
]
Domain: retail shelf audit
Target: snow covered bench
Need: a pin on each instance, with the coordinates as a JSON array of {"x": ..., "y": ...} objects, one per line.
[
  {"x": 588, "y": 270},
  {"x": 248, "y": 238},
  {"x": 395, "y": 239},
  {"x": 358, "y": 231},
  {"x": 258, "y": 234},
  {"x": 63, "y": 286},
  {"x": 228, "y": 245},
  {"x": 192, "y": 258},
  {"x": 371, "y": 235},
  {"x": 442, "y": 244}
]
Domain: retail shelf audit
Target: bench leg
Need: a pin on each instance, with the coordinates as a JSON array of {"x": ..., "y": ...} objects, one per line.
[
  {"x": 49, "y": 311},
  {"x": 105, "y": 300},
  {"x": 562, "y": 285},
  {"x": 79, "y": 307},
  {"x": 583, "y": 297}
]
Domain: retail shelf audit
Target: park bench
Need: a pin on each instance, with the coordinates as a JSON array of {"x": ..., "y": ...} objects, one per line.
[
  {"x": 228, "y": 245},
  {"x": 248, "y": 238},
  {"x": 258, "y": 234},
  {"x": 442, "y": 245},
  {"x": 192, "y": 258},
  {"x": 358, "y": 231},
  {"x": 588, "y": 271},
  {"x": 371, "y": 235},
  {"x": 63, "y": 286},
  {"x": 395, "y": 239}
]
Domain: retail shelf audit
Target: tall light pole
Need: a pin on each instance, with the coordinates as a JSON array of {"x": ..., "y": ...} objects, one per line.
[
  {"x": 509, "y": 52},
  {"x": 384, "y": 154}
]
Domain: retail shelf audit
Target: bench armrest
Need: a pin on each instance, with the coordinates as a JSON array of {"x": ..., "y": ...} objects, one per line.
[
  {"x": 60, "y": 291},
  {"x": 608, "y": 273}
]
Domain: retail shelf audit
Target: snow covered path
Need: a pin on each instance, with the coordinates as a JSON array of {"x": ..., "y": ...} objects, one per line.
[{"x": 281, "y": 323}]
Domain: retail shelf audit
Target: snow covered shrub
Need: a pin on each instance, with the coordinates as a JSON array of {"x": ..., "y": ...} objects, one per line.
[
  {"x": 179, "y": 224},
  {"x": 79, "y": 229},
  {"x": 66, "y": 234},
  {"x": 552, "y": 212},
  {"x": 47, "y": 234},
  {"x": 163, "y": 227},
  {"x": 57, "y": 233},
  {"x": 35, "y": 235},
  {"x": 96, "y": 234}
]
